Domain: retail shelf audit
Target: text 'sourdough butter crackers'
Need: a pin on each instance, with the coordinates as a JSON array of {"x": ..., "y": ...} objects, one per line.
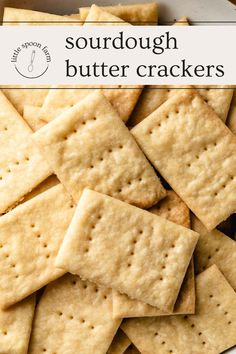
[{"x": 76, "y": 181}]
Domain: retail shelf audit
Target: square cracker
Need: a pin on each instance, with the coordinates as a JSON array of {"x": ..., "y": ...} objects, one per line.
[
  {"x": 231, "y": 120},
  {"x": 119, "y": 343},
  {"x": 109, "y": 242},
  {"x": 123, "y": 306},
  {"x": 175, "y": 210},
  {"x": 73, "y": 316},
  {"x": 122, "y": 98},
  {"x": 195, "y": 152},
  {"x": 211, "y": 330},
  {"x": 138, "y": 14},
  {"x": 29, "y": 244},
  {"x": 89, "y": 146},
  {"x": 15, "y": 327},
  {"x": 22, "y": 165},
  {"x": 215, "y": 248},
  {"x": 13, "y": 128},
  {"x": 153, "y": 96}
]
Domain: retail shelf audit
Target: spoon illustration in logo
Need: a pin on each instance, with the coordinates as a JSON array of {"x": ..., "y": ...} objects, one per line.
[{"x": 31, "y": 65}]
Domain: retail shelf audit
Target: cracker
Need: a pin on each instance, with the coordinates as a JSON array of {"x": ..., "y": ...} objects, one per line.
[
  {"x": 89, "y": 146},
  {"x": 35, "y": 18},
  {"x": 138, "y": 14},
  {"x": 123, "y": 306},
  {"x": 19, "y": 157},
  {"x": 21, "y": 172},
  {"x": 15, "y": 327},
  {"x": 215, "y": 248},
  {"x": 231, "y": 120},
  {"x": 123, "y": 99},
  {"x": 73, "y": 316},
  {"x": 11, "y": 123},
  {"x": 119, "y": 344},
  {"x": 109, "y": 242},
  {"x": 175, "y": 210},
  {"x": 30, "y": 237},
  {"x": 211, "y": 330},
  {"x": 200, "y": 166}
]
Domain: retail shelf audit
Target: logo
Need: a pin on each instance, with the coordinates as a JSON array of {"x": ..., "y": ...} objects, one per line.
[{"x": 31, "y": 59}]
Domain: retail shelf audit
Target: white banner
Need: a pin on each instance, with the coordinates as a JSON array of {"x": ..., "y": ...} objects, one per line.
[{"x": 111, "y": 55}]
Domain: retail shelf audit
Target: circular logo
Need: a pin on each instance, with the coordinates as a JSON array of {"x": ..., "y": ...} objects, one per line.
[{"x": 31, "y": 59}]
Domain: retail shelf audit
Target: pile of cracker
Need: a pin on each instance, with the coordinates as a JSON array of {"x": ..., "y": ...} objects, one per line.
[{"x": 99, "y": 253}]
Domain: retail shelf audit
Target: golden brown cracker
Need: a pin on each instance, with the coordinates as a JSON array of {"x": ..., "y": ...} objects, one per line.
[
  {"x": 211, "y": 330},
  {"x": 89, "y": 146},
  {"x": 175, "y": 210},
  {"x": 73, "y": 316},
  {"x": 199, "y": 166},
  {"x": 19, "y": 157},
  {"x": 214, "y": 247},
  {"x": 109, "y": 242},
  {"x": 30, "y": 237},
  {"x": 15, "y": 327}
]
